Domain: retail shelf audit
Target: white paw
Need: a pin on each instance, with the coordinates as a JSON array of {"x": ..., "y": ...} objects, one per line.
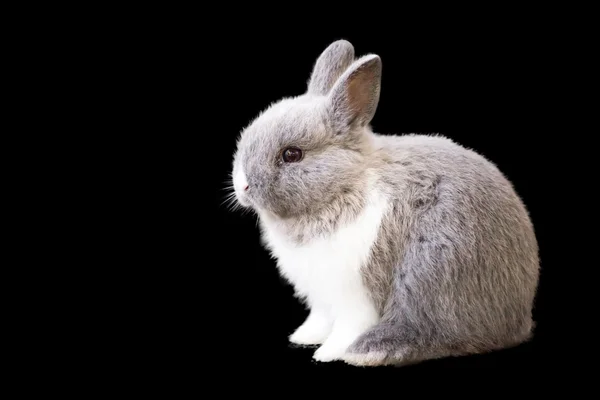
[
  {"x": 330, "y": 351},
  {"x": 312, "y": 332},
  {"x": 309, "y": 335},
  {"x": 338, "y": 342}
]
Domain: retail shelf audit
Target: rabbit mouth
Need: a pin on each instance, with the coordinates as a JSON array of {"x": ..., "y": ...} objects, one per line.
[{"x": 243, "y": 199}]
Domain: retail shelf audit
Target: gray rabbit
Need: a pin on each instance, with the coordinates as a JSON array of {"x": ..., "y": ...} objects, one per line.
[{"x": 404, "y": 248}]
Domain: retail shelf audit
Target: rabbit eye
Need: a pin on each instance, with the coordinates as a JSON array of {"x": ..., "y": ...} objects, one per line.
[{"x": 292, "y": 154}]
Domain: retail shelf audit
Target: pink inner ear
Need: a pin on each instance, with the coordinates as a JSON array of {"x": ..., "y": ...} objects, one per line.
[
  {"x": 360, "y": 92},
  {"x": 358, "y": 89}
]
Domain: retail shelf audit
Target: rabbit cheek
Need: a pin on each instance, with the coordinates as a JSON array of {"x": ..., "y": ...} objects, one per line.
[{"x": 289, "y": 195}]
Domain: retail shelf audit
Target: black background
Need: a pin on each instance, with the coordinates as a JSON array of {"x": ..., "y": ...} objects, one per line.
[{"x": 211, "y": 293}]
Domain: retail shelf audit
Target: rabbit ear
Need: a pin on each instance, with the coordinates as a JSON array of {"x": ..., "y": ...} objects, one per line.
[
  {"x": 354, "y": 98},
  {"x": 332, "y": 62}
]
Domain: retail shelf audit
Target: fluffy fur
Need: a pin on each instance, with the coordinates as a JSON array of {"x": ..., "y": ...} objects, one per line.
[{"x": 404, "y": 248}]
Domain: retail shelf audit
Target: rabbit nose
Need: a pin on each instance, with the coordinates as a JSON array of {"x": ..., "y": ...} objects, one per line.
[{"x": 239, "y": 180}]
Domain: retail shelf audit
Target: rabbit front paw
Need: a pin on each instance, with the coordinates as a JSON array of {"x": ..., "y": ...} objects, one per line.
[
  {"x": 330, "y": 351},
  {"x": 334, "y": 348},
  {"x": 313, "y": 331}
]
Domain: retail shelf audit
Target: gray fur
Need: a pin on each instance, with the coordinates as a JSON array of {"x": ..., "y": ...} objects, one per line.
[
  {"x": 463, "y": 277},
  {"x": 455, "y": 267},
  {"x": 332, "y": 63}
]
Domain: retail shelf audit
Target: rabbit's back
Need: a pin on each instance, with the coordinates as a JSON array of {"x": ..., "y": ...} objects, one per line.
[{"x": 435, "y": 171}]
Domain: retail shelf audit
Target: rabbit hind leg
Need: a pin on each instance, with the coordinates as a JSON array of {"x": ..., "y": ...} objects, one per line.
[{"x": 390, "y": 345}]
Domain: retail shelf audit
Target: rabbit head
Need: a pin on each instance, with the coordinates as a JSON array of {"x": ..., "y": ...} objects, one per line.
[{"x": 303, "y": 151}]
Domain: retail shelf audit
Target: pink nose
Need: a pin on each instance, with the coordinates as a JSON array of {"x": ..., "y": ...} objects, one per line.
[{"x": 247, "y": 187}]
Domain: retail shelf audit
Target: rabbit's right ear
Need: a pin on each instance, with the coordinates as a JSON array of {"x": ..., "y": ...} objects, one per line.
[
  {"x": 330, "y": 65},
  {"x": 354, "y": 98}
]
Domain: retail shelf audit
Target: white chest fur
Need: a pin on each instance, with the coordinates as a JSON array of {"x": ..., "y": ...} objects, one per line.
[{"x": 327, "y": 270}]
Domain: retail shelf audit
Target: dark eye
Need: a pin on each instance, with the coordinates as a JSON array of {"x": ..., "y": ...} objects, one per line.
[{"x": 292, "y": 154}]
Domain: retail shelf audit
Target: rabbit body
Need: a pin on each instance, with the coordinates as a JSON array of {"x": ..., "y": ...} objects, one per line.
[{"x": 403, "y": 247}]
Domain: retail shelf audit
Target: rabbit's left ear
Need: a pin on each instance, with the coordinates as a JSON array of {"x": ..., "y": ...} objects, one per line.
[{"x": 330, "y": 65}]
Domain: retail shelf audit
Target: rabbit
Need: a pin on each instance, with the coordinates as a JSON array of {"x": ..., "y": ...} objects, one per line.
[{"x": 403, "y": 248}]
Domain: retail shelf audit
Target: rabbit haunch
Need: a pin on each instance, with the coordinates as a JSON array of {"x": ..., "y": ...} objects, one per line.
[{"x": 404, "y": 248}]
